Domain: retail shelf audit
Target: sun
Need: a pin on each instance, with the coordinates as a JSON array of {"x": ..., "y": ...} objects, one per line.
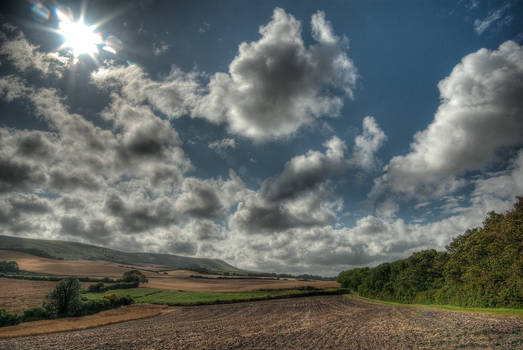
[{"x": 80, "y": 38}]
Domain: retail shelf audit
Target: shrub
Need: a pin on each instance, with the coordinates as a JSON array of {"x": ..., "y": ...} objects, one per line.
[
  {"x": 134, "y": 276},
  {"x": 34, "y": 314},
  {"x": 8, "y": 319},
  {"x": 96, "y": 288},
  {"x": 9, "y": 266}
]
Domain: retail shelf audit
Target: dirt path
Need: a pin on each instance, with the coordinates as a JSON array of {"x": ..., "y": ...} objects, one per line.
[{"x": 329, "y": 322}]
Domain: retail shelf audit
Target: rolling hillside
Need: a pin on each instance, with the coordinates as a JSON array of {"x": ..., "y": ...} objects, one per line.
[{"x": 75, "y": 251}]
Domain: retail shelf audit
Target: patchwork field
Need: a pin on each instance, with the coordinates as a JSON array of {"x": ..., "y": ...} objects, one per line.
[
  {"x": 328, "y": 322},
  {"x": 173, "y": 280},
  {"x": 18, "y": 295}
]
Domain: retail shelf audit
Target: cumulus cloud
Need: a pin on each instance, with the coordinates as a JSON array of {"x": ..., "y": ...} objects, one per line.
[
  {"x": 300, "y": 196},
  {"x": 304, "y": 172},
  {"x": 367, "y": 144},
  {"x": 277, "y": 84},
  {"x": 479, "y": 115}
]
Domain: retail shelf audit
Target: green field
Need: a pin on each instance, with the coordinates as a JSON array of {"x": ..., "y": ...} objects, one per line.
[{"x": 180, "y": 298}]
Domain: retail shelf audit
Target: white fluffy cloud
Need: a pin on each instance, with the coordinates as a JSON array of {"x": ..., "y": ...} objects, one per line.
[
  {"x": 367, "y": 144},
  {"x": 277, "y": 84},
  {"x": 480, "y": 114}
]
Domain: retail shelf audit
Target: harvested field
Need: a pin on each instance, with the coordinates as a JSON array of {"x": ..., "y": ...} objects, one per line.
[
  {"x": 18, "y": 295},
  {"x": 86, "y": 268},
  {"x": 232, "y": 284},
  {"x": 173, "y": 280},
  {"x": 124, "y": 313},
  {"x": 329, "y": 322}
]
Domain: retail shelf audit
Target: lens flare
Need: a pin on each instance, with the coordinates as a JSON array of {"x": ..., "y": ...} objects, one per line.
[
  {"x": 112, "y": 44},
  {"x": 40, "y": 12},
  {"x": 80, "y": 38}
]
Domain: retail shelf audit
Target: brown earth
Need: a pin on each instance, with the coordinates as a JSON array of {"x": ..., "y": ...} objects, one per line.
[
  {"x": 121, "y": 314},
  {"x": 85, "y": 268},
  {"x": 327, "y": 322},
  {"x": 18, "y": 295},
  {"x": 173, "y": 279},
  {"x": 231, "y": 285}
]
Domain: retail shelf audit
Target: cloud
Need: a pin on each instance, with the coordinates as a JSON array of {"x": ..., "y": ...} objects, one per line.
[
  {"x": 367, "y": 144},
  {"x": 160, "y": 49},
  {"x": 493, "y": 17},
  {"x": 304, "y": 172},
  {"x": 300, "y": 196},
  {"x": 175, "y": 95},
  {"x": 480, "y": 114},
  {"x": 221, "y": 146},
  {"x": 276, "y": 85},
  {"x": 26, "y": 56}
]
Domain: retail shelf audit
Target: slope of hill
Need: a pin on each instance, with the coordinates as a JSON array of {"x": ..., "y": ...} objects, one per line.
[{"x": 76, "y": 251}]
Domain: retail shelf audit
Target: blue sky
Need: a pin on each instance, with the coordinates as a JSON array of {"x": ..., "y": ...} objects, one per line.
[{"x": 286, "y": 136}]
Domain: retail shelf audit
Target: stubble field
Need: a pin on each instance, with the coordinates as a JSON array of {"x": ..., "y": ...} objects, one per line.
[{"x": 327, "y": 322}]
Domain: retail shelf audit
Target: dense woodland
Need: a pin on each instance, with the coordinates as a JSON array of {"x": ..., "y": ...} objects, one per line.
[{"x": 481, "y": 268}]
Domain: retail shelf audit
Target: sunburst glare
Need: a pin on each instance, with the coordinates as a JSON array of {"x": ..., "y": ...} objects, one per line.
[{"x": 79, "y": 37}]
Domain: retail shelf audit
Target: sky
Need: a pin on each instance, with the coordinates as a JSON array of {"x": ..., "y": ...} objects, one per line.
[{"x": 279, "y": 136}]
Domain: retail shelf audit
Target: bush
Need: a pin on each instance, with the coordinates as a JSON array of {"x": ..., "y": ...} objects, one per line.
[
  {"x": 109, "y": 301},
  {"x": 8, "y": 319},
  {"x": 34, "y": 314},
  {"x": 134, "y": 276},
  {"x": 96, "y": 288},
  {"x": 66, "y": 297},
  {"x": 9, "y": 266}
]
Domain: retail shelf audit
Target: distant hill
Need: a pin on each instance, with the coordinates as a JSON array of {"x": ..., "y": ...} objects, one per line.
[{"x": 76, "y": 251}]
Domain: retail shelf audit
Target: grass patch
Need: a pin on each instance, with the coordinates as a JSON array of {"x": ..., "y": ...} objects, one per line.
[
  {"x": 493, "y": 311},
  {"x": 186, "y": 298}
]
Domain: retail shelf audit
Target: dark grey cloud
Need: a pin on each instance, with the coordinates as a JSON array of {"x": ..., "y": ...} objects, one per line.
[
  {"x": 303, "y": 173},
  {"x": 137, "y": 217},
  {"x": 19, "y": 176},
  {"x": 95, "y": 230},
  {"x": 61, "y": 181},
  {"x": 199, "y": 199},
  {"x": 34, "y": 145},
  {"x": 182, "y": 247}
]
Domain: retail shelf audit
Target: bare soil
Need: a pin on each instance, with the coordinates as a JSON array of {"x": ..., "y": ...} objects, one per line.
[
  {"x": 121, "y": 314},
  {"x": 327, "y": 322}
]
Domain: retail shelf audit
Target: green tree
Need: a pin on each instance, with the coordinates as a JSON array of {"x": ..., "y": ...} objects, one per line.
[
  {"x": 9, "y": 266},
  {"x": 66, "y": 297},
  {"x": 134, "y": 276}
]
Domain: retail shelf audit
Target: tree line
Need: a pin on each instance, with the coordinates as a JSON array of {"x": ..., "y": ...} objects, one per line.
[{"x": 481, "y": 268}]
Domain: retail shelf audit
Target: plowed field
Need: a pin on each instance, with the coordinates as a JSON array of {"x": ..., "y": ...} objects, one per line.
[{"x": 330, "y": 322}]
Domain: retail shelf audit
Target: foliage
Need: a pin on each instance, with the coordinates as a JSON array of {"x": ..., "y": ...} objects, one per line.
[
  {"x": 66, "y": 297},
  {"x": 37, "y": 313},
  {"x": 8, "y": 319},
  {"x": 100, "y": 287},
  {"x": 9, "y": 266},
  {"x": 481, "y": 268},
  {"x": 134, "y": 276}
]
